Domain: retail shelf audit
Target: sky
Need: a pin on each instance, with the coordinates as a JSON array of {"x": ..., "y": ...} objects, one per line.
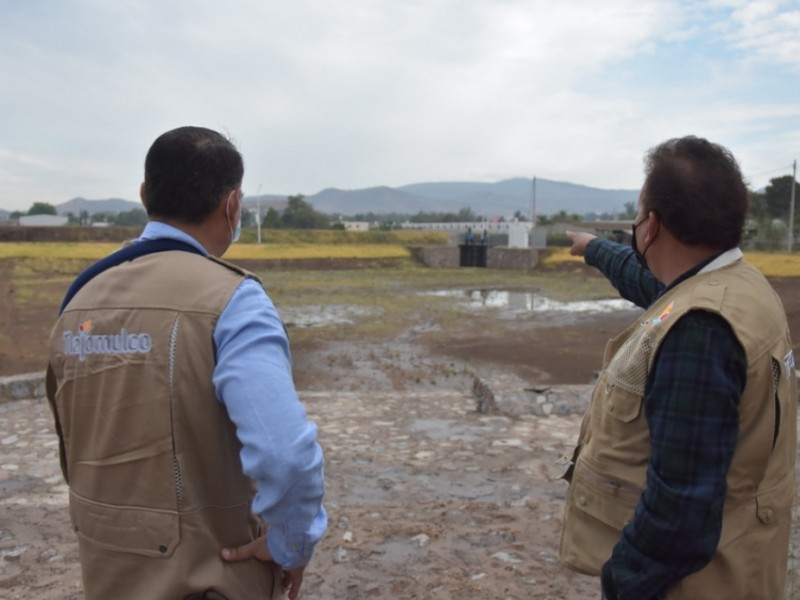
[{"x": 360, "y": 93}]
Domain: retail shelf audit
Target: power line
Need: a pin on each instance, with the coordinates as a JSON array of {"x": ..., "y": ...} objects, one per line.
[{"x": 778, "y": 170}]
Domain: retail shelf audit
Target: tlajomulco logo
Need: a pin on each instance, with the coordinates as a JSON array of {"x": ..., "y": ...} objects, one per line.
[{"x": 84, "y": 343}]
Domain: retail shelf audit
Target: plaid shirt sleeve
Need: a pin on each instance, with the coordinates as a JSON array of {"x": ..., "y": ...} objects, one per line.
[
  {"x": 691, "y": 405},
  {"x": 618, "y": 263}
]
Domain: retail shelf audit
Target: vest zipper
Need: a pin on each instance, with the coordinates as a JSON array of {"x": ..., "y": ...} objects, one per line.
[{"x": 176, "y": 467}]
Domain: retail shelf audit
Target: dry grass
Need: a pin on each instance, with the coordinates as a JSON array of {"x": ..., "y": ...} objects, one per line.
[
  {"x": 61, "y": 250},
  {"x": 285, "y": 251},
  {"x": 300, "y": 251},
  {"x": 770, "y": 264}
]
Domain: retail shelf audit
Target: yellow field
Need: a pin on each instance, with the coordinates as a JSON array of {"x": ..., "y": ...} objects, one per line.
[
  {"x": 297, "y": 251},
  {"x": 770, "y": 264},
  {"x": 94, "y": 251}
]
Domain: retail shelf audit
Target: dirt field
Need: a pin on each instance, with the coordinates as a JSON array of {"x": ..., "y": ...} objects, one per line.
[{"x": 426, "y": 497}]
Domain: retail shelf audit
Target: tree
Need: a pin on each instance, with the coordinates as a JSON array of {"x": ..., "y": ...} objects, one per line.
[
  {"x": 42, "y": 208},
  {"x": 299, "y": 214},
  {"x": 629, "y": 212},
  {"x": 777, "y": 196},
  {"x": 272, "y": 220},
  {"x": 248, "y": 218},
  {"x": 465, "y": 215},
  {"x": 136, "y": 217},
  {"x": 756, "y": 205}
]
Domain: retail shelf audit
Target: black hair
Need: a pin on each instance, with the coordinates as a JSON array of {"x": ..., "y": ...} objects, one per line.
[
  {"x": 697, "y": 190},
  {"x": 187, "y": 173}
]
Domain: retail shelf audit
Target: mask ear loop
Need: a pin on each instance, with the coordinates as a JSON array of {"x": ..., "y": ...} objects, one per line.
[
  {"x": 646, "y": 248},
  {"x": 228, "y": 216}
]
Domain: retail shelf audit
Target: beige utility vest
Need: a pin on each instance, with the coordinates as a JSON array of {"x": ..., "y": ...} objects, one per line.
[
  {"x": 150, "y": 455},
  {"x": 610, "y": 471}
]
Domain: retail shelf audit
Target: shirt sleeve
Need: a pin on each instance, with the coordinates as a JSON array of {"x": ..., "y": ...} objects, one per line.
[
  {"x": 618, "y": 263},
  {"x": 253, "y": 379},
  {"x": 691, "y": 405}
]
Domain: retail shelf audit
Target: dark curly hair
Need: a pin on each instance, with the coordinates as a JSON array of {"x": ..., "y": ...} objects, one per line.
[
  {"x": 187, "y": 173},
  {"x": 697, "y": 190}
]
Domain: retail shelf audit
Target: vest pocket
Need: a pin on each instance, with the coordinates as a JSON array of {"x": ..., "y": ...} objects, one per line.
[
  {"x": 148, "y": 532},
  {"x": 604, "y": 498},
  {"x": 597, "y": 509},
  {"x": 775, "y": 504},
  {"x": 622, "y": 404}
]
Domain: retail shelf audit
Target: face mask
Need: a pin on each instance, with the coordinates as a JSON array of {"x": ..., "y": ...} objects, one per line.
[
  {"x": 639, "y": 255},
  {"x": 235, "y": 231}
]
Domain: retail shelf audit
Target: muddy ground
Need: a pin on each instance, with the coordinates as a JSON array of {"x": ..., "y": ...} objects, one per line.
[{"x": 427, "y": 498}]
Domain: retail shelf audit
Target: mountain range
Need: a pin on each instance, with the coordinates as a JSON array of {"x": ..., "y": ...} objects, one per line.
[{"x": 503, "y": 198}]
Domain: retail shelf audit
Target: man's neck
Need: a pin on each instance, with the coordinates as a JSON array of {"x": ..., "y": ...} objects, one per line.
[
  {"x": 201, "y": 232},
  {"x": 673, "y": 262}
]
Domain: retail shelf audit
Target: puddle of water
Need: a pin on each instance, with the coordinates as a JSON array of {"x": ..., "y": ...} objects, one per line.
[
  {"x": 531, "y": 302},
  {"x": 319, "y": 316},
  {"x": 509, "y": 301}
]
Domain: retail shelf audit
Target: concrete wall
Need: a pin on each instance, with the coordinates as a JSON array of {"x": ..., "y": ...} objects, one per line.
[
  {"x": 447, "y": 257},
  {"x": 437, "y": 257},
  {"x": 517, "y": 259}
]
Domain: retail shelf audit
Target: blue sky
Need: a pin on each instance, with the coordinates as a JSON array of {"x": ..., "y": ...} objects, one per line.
[{"x": 358, "y": 93}]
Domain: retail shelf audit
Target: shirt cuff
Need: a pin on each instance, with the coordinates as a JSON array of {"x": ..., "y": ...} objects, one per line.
[{"x": 292, "y": 549}]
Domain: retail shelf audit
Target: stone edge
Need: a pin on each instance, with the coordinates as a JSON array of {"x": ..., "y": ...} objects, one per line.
[{"x": 22, "y": 387}]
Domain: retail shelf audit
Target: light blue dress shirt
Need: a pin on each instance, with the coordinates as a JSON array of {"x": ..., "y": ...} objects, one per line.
[{"x": 253, "y": 379}]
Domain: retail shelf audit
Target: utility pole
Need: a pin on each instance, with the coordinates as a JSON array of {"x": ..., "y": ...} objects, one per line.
[
  {"x": 533, "y": 203},
  {"x": 791, "y": 206},
  {"x": 258, "y": 217}
]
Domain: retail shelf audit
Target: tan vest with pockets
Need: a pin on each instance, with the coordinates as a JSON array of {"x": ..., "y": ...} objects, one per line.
[
  {"x": 151, "y": 457},
  {"x": 610, "y": 472}
]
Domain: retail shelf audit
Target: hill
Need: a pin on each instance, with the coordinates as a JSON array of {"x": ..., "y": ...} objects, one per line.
[
  {"x": 110, "y": 205},
  {"x": 502, "y": 198}
]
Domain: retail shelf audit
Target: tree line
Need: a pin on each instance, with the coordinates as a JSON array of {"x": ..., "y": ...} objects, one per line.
[{"x": 767, "y": 217}]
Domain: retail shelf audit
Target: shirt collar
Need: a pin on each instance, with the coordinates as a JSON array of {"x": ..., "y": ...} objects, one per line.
[
  {"x": 712, "y": 263},
  {"x": 156, "y": 230},
  {"x": 722, "y": 260}
]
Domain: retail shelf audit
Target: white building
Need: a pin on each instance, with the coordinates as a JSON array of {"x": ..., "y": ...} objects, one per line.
[
  {"x": 43, "y": 220},
  {"x": 356, "y": 225}
]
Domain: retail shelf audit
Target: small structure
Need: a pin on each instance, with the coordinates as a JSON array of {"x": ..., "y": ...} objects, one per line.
[
  {"x": 356, "y": 225},
  {"x": 519, "y": 235},
  {"x": 43, "y": 221}
]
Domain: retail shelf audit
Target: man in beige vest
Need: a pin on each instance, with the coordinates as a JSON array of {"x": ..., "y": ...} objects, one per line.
[
  {"x": 182, "y": 437},
  {"x": 682, "y": 482}
]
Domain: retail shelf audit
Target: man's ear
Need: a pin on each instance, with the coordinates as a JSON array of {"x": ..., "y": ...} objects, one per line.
[
  {"x": 233, "y": 201},
  {"x": 653, "y": 226},
  {"x": 143, "y": 196}
]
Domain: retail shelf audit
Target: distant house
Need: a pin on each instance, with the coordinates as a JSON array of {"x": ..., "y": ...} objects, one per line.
[
  {"x": 356, "y": 225},
  {"x": 43, "y": 220}
]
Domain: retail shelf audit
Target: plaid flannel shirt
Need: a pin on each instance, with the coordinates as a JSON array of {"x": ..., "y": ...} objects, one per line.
[{"x": 691, "y": 404}]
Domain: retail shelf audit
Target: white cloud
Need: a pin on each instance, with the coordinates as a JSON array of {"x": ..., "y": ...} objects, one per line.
[
  {"x": 767, "y": 30},
  {"x": 369, "y": 92}
]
